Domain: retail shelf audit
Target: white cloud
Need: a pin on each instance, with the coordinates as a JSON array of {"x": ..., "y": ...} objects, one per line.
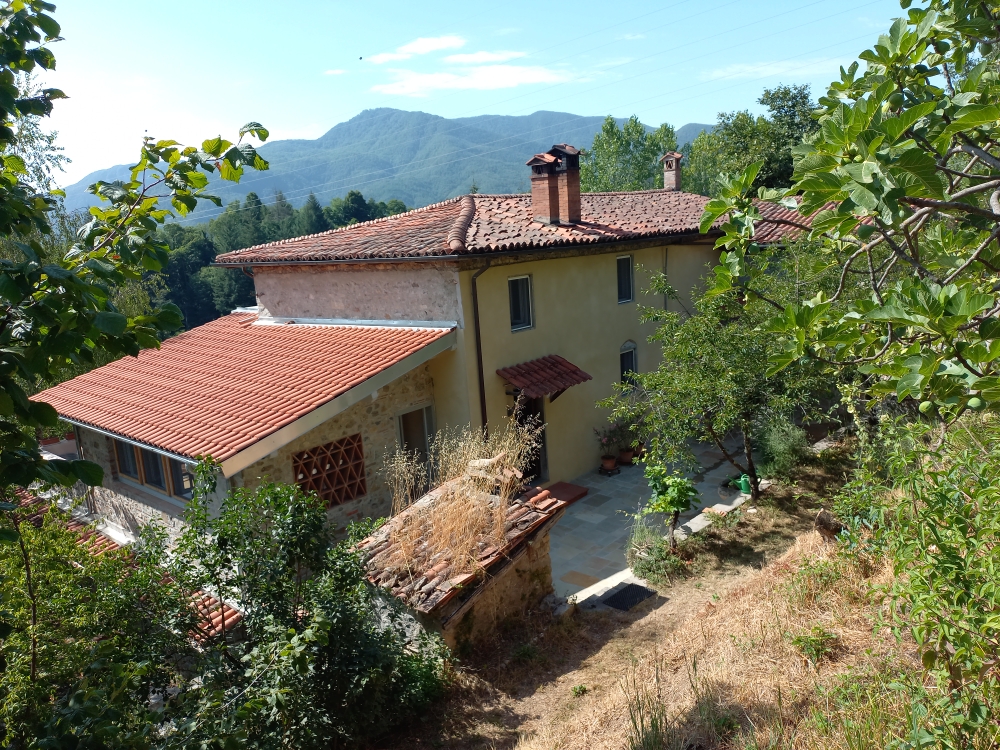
[
  {"x": 773, "y": 69},
  {"x": 485, "y": 78},
  {"x": 420, "y": 46},
  {"x": 478, "y": 58},
  {"x": 334, "y": 72}
]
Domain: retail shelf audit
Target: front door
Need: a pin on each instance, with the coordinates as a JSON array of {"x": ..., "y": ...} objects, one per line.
[{"x": 532, "y": 410}]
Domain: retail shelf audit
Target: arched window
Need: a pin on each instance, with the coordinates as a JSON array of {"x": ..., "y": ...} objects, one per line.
[{"x": 629, "y": 361}]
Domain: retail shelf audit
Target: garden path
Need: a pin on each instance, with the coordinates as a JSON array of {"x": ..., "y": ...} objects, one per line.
[{"x": 588, "y": 543}]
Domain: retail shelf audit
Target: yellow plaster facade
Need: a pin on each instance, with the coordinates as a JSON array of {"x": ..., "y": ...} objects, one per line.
[{"x": 576, "y": 315}]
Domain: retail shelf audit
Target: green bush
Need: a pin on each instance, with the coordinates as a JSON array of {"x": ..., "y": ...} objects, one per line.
[
  {"x": 784, "y": 446},
  {"x": 650, "y": 557}
]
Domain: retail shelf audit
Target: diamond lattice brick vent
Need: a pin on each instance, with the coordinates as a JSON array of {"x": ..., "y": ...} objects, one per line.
[{"x": 335, "y": 471}]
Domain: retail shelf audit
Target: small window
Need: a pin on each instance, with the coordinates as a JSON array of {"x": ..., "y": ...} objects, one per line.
[
  {"x": 127, "y": 464},
  {"x": 335, "y": 471},
  {"x": 520, "y": 302},
  {"x": 625, "y": 293},
  {"x": 416, "y": 430},
  {"x": 181, "y": 480},
  {"x": 629, "y": 365},
  {"x": 152, "y": 469}
]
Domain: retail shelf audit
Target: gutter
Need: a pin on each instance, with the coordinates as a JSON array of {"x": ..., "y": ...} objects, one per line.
[
  {"x": 479, "y": 343},
  {"x": 570, "y": 250}
]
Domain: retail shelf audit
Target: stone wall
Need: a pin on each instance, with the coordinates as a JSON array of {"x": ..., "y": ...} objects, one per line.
[
  {"x": 364, "y": 292},
  {"x": 129, "y": 507},
  {"x": 122, "y": 504},
  {"x": 376, "y": 420},
  {"x": 518, "y": 587}
]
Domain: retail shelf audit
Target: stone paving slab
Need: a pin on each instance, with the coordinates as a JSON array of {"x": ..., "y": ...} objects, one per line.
[{"x": 588, "y": 542}]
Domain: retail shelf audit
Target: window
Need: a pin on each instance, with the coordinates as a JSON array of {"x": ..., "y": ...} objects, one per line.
[
  {"x": 625, "y": 293},
  {"x": 416, "y": 430},
  {"x": 127, "y": 464},
  {"x": 181, "y": 480},
  {"x": 167, "y": 475},
  {"x": 335, "y": 471},
  {"x": 152, "y": 469},
  {"x": 628, "y": 360},
  {"x": 520, "y": 302}
]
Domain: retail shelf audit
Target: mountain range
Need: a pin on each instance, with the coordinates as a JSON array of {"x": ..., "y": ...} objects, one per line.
[{"x": 385, "y": 153}]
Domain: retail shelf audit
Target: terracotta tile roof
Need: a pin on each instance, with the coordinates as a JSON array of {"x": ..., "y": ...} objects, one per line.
[
  {"x": 544, "y": 376},
  {"x": 430, "y": 589},
  {"x": 223, "y": 386},
  {"x": 475, "y": 224}
]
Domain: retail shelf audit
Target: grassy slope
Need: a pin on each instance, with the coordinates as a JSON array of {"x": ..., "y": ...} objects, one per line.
[{"x": 711, "y": 663}]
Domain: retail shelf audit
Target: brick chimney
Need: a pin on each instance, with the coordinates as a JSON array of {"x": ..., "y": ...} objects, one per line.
[
  {"x": 671, "y": 170},
  {"x": 568, "y": 174},
  {"x": 544, "y": 188}
]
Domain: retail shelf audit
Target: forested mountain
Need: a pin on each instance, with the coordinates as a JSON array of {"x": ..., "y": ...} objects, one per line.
[{"x": 411, "y": 156}]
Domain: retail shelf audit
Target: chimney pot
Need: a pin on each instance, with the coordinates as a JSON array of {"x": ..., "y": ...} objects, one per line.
[{"x": 672, "y": 170}]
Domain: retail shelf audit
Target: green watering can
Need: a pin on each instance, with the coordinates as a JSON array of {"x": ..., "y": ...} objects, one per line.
[{"x": 744, "y": 484}]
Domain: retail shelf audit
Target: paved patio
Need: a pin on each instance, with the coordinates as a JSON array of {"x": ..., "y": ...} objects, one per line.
[{"x": 588, "y": 543}]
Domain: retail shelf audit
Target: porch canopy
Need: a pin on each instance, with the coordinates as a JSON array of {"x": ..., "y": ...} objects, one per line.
[{"x": 545, "y": 376}]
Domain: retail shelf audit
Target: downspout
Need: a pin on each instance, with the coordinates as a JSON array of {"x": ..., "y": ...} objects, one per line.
[{"x": 479, "y": 344}]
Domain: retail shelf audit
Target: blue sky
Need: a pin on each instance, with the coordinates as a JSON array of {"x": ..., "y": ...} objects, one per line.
[{"x": 191, "y": 69}]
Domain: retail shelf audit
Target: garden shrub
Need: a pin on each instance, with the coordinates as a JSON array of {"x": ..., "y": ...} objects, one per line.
[{"x": 784, "y": 445}]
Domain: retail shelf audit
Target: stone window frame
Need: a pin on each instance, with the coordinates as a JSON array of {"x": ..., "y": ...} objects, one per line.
[{"x": 349, "y": 476}]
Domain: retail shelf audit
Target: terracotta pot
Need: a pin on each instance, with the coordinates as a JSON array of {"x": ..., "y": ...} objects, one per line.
[
  {"x": 608, "y": 462},
  {"x": 625, "y": 457},
  {"x": 639, "y": 450}
]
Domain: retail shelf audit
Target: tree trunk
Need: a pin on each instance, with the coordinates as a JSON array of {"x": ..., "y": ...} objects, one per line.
[
  {"x": 671, "y": 528},
  {"x": 751, "y": 467}
]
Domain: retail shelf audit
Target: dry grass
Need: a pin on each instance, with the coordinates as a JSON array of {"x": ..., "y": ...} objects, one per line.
[
  {"x": 732, "y": 676},
  {"x": 473, "y": 478}
]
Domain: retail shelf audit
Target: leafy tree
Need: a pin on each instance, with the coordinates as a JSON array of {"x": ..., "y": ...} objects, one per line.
[
  {"x": 712, "y": 382},
  {"x": 904, "y": 190},
  {"x": 672, "y": 495},
  {"x": 320, "y": 662},
  {"x": 625, "y": 158},
  {"x": 311, "y": 217},
  {"x": 740, "y": 139}
]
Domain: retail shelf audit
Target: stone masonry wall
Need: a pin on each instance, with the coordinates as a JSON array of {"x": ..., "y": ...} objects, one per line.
[
  {"x": 512, "y": 592},
  {"x": 122, "y": 504},
  {"x": 129, "y": 507},
  {"x": 376, "y": 420},
  {"x": 370, "y": 292}
]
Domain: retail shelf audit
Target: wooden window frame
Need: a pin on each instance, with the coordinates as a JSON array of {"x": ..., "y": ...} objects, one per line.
[{"x": 166, "y": 468}]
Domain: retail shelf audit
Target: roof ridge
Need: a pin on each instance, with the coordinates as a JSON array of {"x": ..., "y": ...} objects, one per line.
[
  {"x": 459, "y": 230},
  {"x": 337, "y": 230}
]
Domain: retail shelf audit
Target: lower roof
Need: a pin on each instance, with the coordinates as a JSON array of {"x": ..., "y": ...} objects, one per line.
[{"x": 221, "y": 388}]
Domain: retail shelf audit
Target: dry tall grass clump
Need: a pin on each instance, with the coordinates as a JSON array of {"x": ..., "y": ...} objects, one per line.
[
  {"x": 750, "y": 670},
  {"x": 464, "y": 489}
]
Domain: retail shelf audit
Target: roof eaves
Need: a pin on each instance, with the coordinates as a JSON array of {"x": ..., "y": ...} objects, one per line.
[{"x": 258, "y": 449}]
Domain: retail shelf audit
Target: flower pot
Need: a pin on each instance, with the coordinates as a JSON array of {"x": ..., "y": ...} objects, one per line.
[
  {"x": 638, "y": 450},
  {"x": 625, "y": 457},
  {"x": 608, "y": 462}
]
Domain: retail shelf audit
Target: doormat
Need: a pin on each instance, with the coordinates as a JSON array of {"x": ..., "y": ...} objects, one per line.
[{"x": 626, "y": 598}]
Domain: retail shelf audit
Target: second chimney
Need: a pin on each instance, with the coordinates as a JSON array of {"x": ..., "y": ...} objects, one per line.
[
  {"x": 671, "y": 170},
  {"x": 555, "y": 185}
]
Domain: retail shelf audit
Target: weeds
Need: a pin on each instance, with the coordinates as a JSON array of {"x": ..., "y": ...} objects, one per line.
[
  {"x": 580, "y": 690},
  {"x": 649, "y": 725},
  {"x": 817, "y": 644},
  {"x": 650, "y": 557},
  {"x": 812, "y": 580}
]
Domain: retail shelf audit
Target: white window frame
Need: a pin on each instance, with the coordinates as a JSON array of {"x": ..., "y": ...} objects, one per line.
[
  {"x": 631, "y": 280},
  {"x": 628, "y": 346},
  {"x": 531, "y": 301}
]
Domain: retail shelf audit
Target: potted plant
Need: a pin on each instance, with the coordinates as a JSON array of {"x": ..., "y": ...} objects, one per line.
[
  {"x": 609, "y": 444},
  {"x": 672, "y": 495},
  {"x": 626, "y": 439}
]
